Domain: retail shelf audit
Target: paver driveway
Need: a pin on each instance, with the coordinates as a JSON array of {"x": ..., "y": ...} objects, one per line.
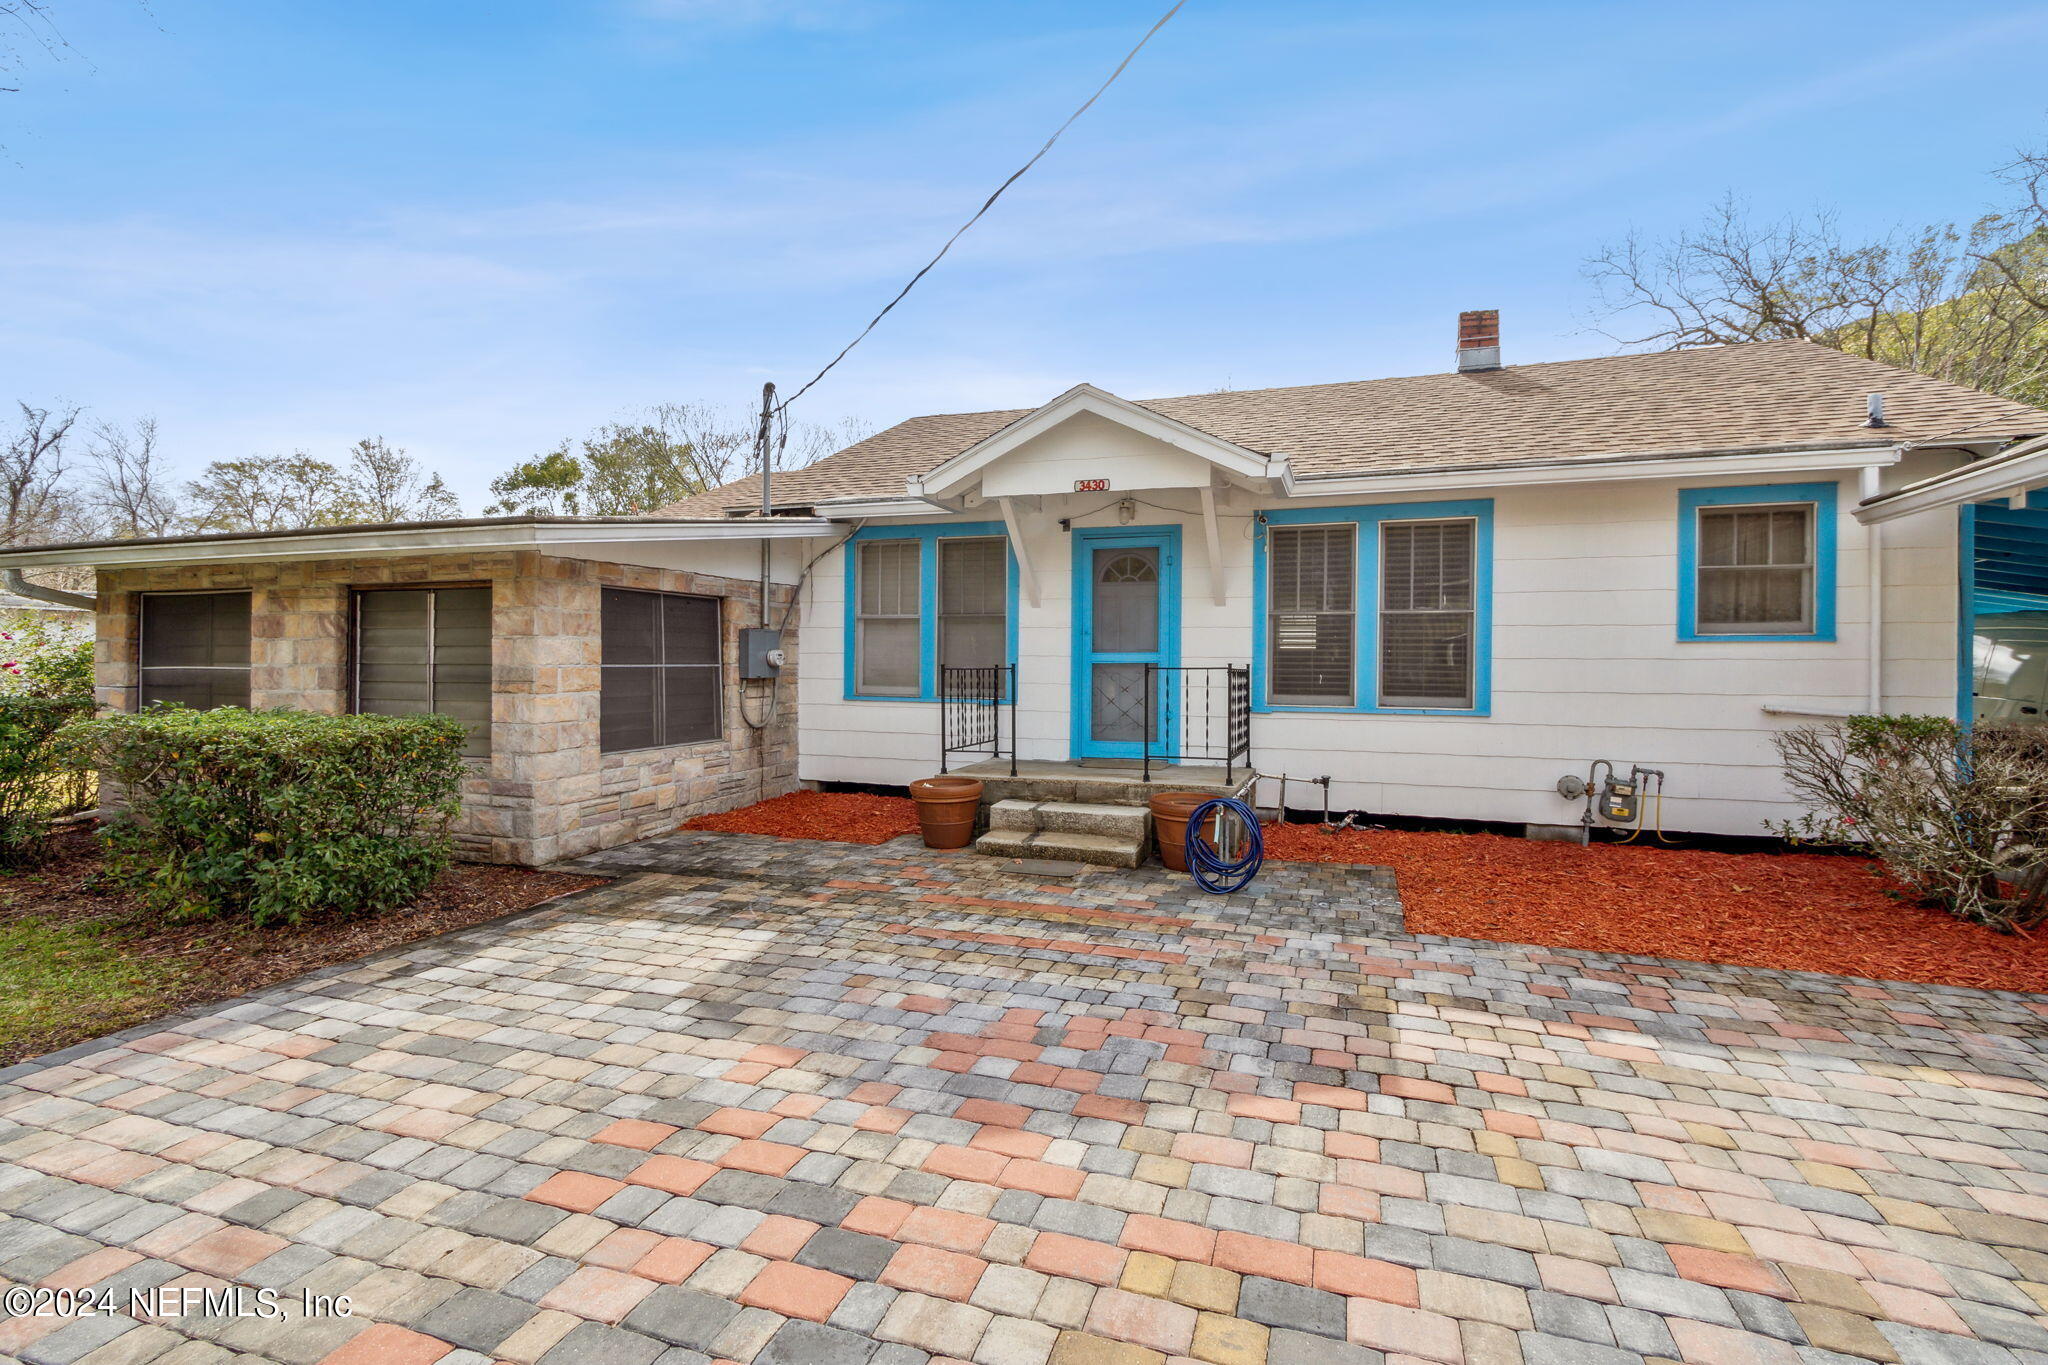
[{"x": 802, "y": 1104}]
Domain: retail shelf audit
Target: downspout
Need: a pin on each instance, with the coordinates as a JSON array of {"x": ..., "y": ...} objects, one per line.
[
  {"x": 19, "y": 585},
  {"x": 1873, "y": 550}
]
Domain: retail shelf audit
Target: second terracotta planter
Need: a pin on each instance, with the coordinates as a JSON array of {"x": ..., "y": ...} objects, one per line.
[
  {"x": 947, "y": 808},
  {"x": 1170, "y": 812}
]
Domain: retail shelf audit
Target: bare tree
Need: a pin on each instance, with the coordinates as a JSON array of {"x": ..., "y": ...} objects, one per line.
[
  {"x": 128, "y": 491},
  {"x": 390, "y": 485},
  {"x": 35, "y": 504},
  {"x": 1967, "y": 303}
]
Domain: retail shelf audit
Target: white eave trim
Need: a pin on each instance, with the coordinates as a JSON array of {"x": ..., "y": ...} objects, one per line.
[
  {"x": 373, "y": 542},
  {"x": 1595, "y": 470},
  {"x": 869, "y": 509},
  {"x": 2011, "y": 474},
  {"x": 951, "y": 476}
]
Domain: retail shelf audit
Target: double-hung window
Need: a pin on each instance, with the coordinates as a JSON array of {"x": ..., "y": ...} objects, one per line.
[
  {"x": 1426, "y": 614},
  {"x": 426, "y": 651},
  {"x": 660, "y": 676},
  {"x": 1380, "y": 608},
  {"x": 925, "y": 598},
  {"x": 194, "y": 649},
  {"x": 1312, "y": 621},
  {"x": 1757, "y": 563},
  {"x": 886, "y": 653}
]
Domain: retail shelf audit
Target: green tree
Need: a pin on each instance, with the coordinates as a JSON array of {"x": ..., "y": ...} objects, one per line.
[
  {"x": 546, "y": 485},
  {"x": 633, "y": 470},
  {"x": 392, "y": 486},
  {"x": 271, "y": 493}
]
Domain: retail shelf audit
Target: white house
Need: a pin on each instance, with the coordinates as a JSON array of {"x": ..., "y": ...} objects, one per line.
[{"x": 1443, "y": 593}]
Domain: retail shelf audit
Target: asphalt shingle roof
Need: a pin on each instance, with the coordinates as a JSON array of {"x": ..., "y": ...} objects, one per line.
[{"x": 1787, "y": 394}]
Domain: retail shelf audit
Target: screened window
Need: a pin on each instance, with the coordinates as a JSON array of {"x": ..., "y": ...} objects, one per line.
[
  {"x": 660, "y": 681},
  {"x": 886, "y": 651},
  {"x": 422, "y": 651},
  {"x": 1756, "y": 570},
  {"x": 1426, "y": 613},
  {"x": 194, "y": 649},
  {"x": 974, "y": 594},
  {"x": 1312, "y": 614}
]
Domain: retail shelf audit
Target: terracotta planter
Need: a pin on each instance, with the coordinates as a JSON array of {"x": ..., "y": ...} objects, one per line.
[
  {"x": 946, "y": 810},
  {"x": 1170, "y": 812}
]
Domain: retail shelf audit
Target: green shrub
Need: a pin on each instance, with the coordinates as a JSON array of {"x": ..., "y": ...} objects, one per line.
[
  {"x": 277, "y": 814},
  {"x": 1961, "y": 816},
  {"x": 39, "y": 774},
  {"x": 46, "y": 658}
]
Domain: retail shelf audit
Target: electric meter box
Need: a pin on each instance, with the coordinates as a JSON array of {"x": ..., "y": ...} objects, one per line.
[{"x": 760, "y": 653}]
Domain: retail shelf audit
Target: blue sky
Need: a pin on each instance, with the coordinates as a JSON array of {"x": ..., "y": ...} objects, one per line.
[{"x": 477, "y": 228}]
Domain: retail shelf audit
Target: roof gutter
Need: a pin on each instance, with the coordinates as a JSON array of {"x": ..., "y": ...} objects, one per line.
[
  {"x": 523, "y": 533},
  {"x": 1687, "y": 464},
  {"x": 14, "y": 581},
  {"x": 2007, "y": 475}
]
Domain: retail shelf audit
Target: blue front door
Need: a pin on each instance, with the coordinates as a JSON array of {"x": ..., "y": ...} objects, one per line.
[{"x": 1126, "y": 615}]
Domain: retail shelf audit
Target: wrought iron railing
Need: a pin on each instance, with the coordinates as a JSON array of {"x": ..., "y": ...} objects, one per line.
[
  {"x": 1206, "y": 715},
  {"x": 971, "y": 706}
]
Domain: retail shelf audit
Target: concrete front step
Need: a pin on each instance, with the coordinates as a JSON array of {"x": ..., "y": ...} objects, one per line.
[
  {"x": 1071, "y": 817},
  {"x": 1089, "y": 784},
  {"x": 1104, "y": 850}
]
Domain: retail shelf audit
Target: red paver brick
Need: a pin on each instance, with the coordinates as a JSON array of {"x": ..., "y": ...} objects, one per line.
[
  {"x": 1264, "y": 1107},
  {"x": 1408, "y": 1088},
  {"x": 1210, "y": 1150},
  {"x": 1168, "y": 1237},
  {"x": 1076, "y": 1258},
  {"x": 385, "y": 1343},
  {"x": 779, "y": 1237},
  {"x": 675, "y": 1174},
  {"x": 636, "y": 1133},
  {"x": 965, "y": 1163},
  {"x": 230, "y": 1251},
  {"x": 883, "y": 1120},
  {"x": 992, "y": 1111},
  {"x": 740, "y": 1123},
  {"x": 924, "y": 1004},
  {"x": 1276, "y": 1260},
  {"x": 1104, "y": 1107},
  {"x": 621, "y": 1250},
  {"x": 1010, "y": 1142},
  {"x": 674, "y": 1261},
  {"x": 763, "y": 1158},
  {"x": 1724, "y": 1271},
  {"x": 796, "y": 1291},
  {"x": 90, "y": 1269},
  {"x": 876, "y": 1216},
  {"x": 771, "y": 1055},
  {"x": 593, "y": 1292},
  {"x": 580, "y": 1193},
  {"x": 932, "y": 1270},
  {"x": 1361, "y": 1277},
  {"x": 1149, "y": 1322},
  {"x": 1039, "y": 1177}
]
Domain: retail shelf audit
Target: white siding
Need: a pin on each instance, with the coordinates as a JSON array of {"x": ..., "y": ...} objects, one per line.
[{"x": 1586, "y": 661}]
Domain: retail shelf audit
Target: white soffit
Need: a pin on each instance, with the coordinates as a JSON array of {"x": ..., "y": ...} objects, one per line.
[{"x": 2009, "y": 475}]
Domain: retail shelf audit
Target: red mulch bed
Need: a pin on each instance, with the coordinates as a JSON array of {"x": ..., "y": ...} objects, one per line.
[
  {"x": 840, "y": 817},
  {"x": 1794, "y": 911}
]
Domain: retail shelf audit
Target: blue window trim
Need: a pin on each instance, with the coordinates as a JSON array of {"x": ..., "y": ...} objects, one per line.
[
  {"x": 1691, "y": 500},
  {"x": 927, "y": 600},
  {"x": 1086, "y": 539},
  {"x": 1365, "y": 661}
]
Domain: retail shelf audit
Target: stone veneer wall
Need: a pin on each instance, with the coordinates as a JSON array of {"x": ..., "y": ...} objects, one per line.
[{"x": 545, "y": 792}]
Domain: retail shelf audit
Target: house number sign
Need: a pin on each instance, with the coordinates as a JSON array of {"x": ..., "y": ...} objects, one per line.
[{"x": 1091, "y": 485}]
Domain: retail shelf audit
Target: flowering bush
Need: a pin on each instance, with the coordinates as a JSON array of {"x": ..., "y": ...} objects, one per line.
[
  {"x": 42, "y": 658},
  {"x": 275, "y": 814},
  {"x": 1961, "y": 816}
]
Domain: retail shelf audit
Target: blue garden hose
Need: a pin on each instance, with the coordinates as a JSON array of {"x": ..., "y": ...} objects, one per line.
[{"x": 1212, "y": 871}]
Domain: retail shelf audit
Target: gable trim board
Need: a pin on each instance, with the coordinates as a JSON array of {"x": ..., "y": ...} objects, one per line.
[
  {"x": 1367, "y": 520},
  {"x": 927, "y": 537},
  {"x": 1692, "y": 500}
]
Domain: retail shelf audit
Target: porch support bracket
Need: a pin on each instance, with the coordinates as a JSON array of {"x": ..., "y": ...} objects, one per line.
[
  {"x": 1027, "y": 579},
  {"x": 1215, "y": 538}
]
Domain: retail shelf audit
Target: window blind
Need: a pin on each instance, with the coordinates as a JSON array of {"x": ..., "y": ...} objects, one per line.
[
  {"x": 423, "y": 651},
  {"x": 887, "y": 648},
  {"x": 973, "y": 602},
  {"x": 1755, "y": 570},
  {"x": 1312, "y": 594},
  {"x": 1426, "y": 616},
  {"x": 194, "y": 650},
  {"x": 661, "y": 661}
]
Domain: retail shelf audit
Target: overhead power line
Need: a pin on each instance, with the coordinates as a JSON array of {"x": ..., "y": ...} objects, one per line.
[{"x": 987, "y": 204}]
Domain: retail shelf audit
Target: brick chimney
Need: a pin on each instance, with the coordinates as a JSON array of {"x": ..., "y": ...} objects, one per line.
[{"x": 1478, "y": 340}]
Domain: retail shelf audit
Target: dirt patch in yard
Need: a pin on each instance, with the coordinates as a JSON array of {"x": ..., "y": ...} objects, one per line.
[
  {"x": 78, "y": 959},
  {"x": 1796, "y": 911},
  {"x": 839, "y": 817}
]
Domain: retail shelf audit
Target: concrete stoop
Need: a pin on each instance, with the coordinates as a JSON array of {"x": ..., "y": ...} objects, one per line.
[{"x": 1106, "y": 835}]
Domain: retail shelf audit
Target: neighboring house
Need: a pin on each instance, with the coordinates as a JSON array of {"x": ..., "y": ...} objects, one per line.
[{"x": 1444, "y": 593}]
